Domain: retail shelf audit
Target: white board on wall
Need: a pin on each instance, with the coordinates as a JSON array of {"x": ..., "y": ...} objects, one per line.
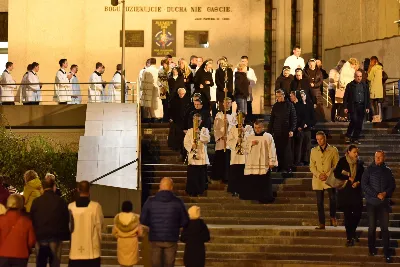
[{"x": 110, "y": 141}]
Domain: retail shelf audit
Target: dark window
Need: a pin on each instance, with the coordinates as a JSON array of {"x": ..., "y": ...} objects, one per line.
[{"x": 3, "y": 26}]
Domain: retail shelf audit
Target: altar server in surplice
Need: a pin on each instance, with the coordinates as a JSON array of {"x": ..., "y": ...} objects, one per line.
[
  {"x": 220, "y": 169},
  {"x": 76, "y": 97},
  {"x": 7, "y": 91},
  {"x": 86, "y": 229},
  {"x": 95, "y": 90},
  {"x": 195, "y": 142},
  {"x": 260, "y": 159},
  {"x": 32, "y": 90},
  {"x": 237, "y": 137},
  {"x": 114, "y": 88},
  {"x": 63, "y": 86}
]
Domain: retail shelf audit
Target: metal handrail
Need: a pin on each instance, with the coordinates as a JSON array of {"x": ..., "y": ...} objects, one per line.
[
  {"x": 105, "y": 175},
  {"x": 134, "y": 92}
]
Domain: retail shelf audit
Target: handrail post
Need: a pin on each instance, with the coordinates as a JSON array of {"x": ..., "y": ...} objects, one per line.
[{"x": 394, "y": 94}]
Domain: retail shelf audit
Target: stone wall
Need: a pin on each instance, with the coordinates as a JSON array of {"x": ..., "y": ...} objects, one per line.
[
  {"x": 356, "y": 21},
  {"x": 85, "y": 33},
  {"x": 387, "y": 50}
]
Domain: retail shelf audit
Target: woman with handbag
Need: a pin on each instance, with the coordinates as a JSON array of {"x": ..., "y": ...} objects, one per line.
[{"x": 349, "y": 198}]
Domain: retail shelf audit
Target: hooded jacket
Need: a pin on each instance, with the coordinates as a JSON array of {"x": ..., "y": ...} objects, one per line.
[
  {"x": 126, "y": 229},
  {"x": 32, "y": 190},
  {"x": 164, "y": 214}
]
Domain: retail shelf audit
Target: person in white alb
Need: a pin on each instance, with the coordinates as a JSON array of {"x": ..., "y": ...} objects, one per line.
[
  {"x": 220, "y": 167},
  {"x": 76, "y": 97},
  {"x": 32, "y": 90},
  {"x": 63, "y": 86},
  {"x": 95, "y": 90},
  {"x": 237, "y": 137},
  {"x": 21, "y": 93},
  {"x": 139, "y": 82},
  {"x": 251, "y": 76},
  {"x": 150, "y": 88},
  {"x": 7, "y": 91},
  {"x": 114, "y": 88},
  {"x": 86, "y": 228},
  {"x": 260, "y": 159},
  {"x": 195, "y": 143},
  {"x": 295, "y": 61}
]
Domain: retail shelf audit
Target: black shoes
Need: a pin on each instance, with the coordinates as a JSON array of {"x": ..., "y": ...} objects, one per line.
[
  {"x": 388, "y": 259},
  {"x": 350, "y": 243},
  {"x": 356, "y": 142},
  {"x": 372, "y": 252}
]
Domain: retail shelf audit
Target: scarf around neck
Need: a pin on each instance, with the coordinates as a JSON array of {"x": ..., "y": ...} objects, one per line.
[{"x": 353, "y": 165}]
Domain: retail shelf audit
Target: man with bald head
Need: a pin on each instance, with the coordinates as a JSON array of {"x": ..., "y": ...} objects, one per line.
[
  {"x": 378, "y": 185},
  {"x": 356, "y": 103},
  {"x": 164, "y": 214}
]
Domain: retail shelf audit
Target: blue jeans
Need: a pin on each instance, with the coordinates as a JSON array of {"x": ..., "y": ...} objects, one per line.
[
  {"x": 163, "y": 254},
  {"x": 48, "y": 251},
  {"x": 242, "y": 104}
]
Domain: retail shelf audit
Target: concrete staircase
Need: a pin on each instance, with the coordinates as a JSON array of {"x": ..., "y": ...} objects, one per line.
[
  {"x": 279, "y": 234},
  {"x": 244, "y": 233}
]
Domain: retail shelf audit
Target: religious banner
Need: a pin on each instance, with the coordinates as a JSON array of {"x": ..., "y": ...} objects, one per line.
[
  {"x": 196, "y": 39},
  {"x": 163, "y": 38}
]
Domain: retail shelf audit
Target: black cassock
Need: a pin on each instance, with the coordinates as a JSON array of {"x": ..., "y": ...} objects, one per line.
[
  {"x": 177, "y": 111},
  {"x": 194, "y": 235},
  {"x": 196, "y": 182}
]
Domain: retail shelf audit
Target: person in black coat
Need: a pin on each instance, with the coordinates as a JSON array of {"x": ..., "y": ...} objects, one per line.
[
  {"x": 205, "y": 115},
  {"x": 325, "y": 75},
  {"x": 175, "y": 81},
  {"x": 177, "y": 107},
  {"x": 241, "y": 88},
  {"x": 188, "y": 77},
  {"x": 284, "y": 81},
  {"x": 203, "y": 81},
  {"x": 220, "y": 82},
  {"x": 194, "y": 235},
  {"x": 50, "y": 219},
  {"x": 282, "y": 125},
  {"x": 315, "y": 77},
  {"x": 305, "y": 121},
  {"x": 301, "y": 83},
  {"x": 356, "y": 103},
  {"x": 349, "y": 199}
]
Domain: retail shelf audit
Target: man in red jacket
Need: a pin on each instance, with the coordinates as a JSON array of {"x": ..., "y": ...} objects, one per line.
[{"x": 16, "y": 234}]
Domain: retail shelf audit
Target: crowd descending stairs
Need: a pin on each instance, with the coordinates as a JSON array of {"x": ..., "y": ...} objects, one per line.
[
  {"x": 245, "y": 233},
  {"x": 248, "y": 234}
]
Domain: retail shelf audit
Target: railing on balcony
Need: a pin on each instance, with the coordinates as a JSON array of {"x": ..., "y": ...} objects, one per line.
[
  {"x": 391, "y": 88},
  {"x": 132, "y": 91}
]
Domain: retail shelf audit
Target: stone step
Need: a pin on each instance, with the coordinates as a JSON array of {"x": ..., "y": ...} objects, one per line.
[
  {"x": 306, "y": 245},
  {"x": 217, "y": 262}
]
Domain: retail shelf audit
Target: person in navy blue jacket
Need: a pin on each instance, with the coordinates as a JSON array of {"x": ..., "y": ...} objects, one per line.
[
  {"x": 378, "y": 185},
  {"x": 164, "y": 214}
]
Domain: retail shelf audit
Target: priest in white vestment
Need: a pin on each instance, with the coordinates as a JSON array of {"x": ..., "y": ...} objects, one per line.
[
  {"x": 195, "y": 143},
  {"x": 237, "y": 137},
  {"x": 150, "y": 89},
  {"x": 86, "y": 229},
  {"x": 8, "y": 90},
  {"x": 260, "y": 159}
]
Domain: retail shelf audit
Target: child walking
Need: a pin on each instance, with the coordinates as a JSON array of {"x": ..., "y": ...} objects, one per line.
[
  {"x": 195, "y": 234},
  {"x": 127, "y": 230}
]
